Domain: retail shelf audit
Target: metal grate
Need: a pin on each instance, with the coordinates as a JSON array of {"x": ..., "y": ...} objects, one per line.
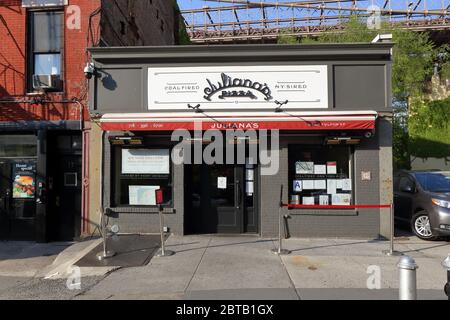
[{"x": 209, "y": 21}]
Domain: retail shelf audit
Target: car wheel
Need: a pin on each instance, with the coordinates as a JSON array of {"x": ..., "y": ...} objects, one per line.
[{"x": 420, "y": 225}]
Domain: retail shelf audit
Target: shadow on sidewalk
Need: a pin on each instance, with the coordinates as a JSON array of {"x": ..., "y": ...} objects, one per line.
[{"x": 16, "y": 250}]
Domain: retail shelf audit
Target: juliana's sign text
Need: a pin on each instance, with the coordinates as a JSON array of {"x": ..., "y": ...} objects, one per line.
[
  {"x": 238, "y": 87},
  {"x": 228, "y": 83}
]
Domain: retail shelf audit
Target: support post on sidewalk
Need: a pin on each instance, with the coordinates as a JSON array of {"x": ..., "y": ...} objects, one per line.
[
  {"x": 391, "y": 251},
  {"x": 280, "y": 250},
  {"x": 105, "y": 253},
  {"x": 162, "y": 252},
  {"x": 446, "y": 265},
  {"x": 407, "y": 278}
]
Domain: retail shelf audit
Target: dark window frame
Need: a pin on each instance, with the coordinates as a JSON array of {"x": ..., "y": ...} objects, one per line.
[
  {"x": 30, "y": 52},
  {"x": 292, "y": 175},
  {"x": 117, "y": 176}
]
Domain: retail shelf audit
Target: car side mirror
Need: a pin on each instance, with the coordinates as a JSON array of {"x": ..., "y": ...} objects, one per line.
[{"x": 408, "y": 189}]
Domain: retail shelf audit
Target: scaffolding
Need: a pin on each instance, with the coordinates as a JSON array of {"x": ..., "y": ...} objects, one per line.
[{"x": 231, "y": 21}]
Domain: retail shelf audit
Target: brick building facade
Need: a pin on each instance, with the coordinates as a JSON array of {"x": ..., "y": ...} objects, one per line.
[{"x": 45, "y": 128}]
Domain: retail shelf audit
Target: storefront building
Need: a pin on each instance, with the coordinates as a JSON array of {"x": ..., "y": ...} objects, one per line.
[
  {"x": 323, "y": 112},
  {"x": 45, "y": 131}
]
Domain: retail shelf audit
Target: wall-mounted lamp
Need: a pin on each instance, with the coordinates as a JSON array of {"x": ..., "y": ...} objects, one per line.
[
  {"x": 126, "y": 140},
  {"x": 195, "y": 108},
  {"x": 279, "y": 105},
  {"x": 341, "y": 140}
]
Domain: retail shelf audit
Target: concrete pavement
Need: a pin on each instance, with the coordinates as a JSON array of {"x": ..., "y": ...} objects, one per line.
[
  {"x": 26, "y": 259},
  {"x": 217, "y": 267},
  {"x": 242, "y": 267}
]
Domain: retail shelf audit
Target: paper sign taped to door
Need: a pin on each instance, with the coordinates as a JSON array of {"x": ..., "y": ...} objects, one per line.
[
  {"x": 221, "y": 182},
  {"x": 249, "y": 186}
]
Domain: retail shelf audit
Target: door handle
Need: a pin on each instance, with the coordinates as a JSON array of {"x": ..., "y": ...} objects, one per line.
[{"x": 239, "y": 191}]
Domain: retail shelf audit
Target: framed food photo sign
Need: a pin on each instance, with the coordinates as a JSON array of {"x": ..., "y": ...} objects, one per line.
[{"x": 24, "y": 184}]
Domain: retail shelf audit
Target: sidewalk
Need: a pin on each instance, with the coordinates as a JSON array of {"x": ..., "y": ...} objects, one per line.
[
  {"x": 26, "y": 259},
  {"x": 225, "y": 267},
  {"x": 218, "y": 267}
]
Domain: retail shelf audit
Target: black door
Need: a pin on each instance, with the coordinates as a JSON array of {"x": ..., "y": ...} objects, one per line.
[
  {"x": 5, "y": 198},
  {"x": 65, "y": 186},
  {"x": 219, "y": 199},
  {"x": 17, "y": 199},
  {"x": 225, "y": 199}
]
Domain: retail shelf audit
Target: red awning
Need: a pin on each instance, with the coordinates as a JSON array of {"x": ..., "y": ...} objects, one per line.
[{"x": 293, "y": 121}]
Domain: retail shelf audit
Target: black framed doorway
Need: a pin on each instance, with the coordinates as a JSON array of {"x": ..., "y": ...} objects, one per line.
[
  {"x": 220, "y": 198},
  {"x": 17, "y": 199}
]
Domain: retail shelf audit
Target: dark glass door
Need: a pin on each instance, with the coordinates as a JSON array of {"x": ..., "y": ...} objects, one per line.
[
  {"x": 17, "y": 199},
  {"x": 225, "y": 198},
  {"x": 5, "y": 198},
  {"x": 219, "y": 199}
]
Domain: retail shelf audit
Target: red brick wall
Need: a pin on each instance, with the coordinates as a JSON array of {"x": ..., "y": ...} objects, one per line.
[{"x": 13, "y": 55}]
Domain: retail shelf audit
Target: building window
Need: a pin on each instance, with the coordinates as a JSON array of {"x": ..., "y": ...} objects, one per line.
[
  {"x": 18, "y": 145},
  {"x": 45, "y": 48},
  {"x": 138, "y": 172},
  {"x": 320, "y": 175}
]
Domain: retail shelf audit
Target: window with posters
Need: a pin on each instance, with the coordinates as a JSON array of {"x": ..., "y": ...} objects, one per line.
[
  {"x": 320, "y": 175},
  {"x": 138, "y": 172}
]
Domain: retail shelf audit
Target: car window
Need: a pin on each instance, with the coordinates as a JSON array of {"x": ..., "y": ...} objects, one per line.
[
  {"x": 406, "y": 182},
  {"x": 434, "y": 181},
  {"x": 396, "y": 183}
]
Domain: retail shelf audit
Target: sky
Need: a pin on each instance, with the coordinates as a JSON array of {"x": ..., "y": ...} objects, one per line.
[{"x": 286, "y": 13}]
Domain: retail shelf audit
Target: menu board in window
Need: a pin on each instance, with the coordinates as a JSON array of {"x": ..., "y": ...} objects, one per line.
[
  {"x": 320, "y": 175},
  {"x": 145, "y": 161},
  {"x": 142, "y": 195}
]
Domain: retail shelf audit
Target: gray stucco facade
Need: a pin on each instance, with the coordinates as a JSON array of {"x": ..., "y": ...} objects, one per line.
[{"x": 358, "y": 77}]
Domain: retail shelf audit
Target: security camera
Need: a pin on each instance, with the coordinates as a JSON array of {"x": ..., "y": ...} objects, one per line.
[
  {"x": 89, "y": 70},
  {"x": 368, "y": 134}
]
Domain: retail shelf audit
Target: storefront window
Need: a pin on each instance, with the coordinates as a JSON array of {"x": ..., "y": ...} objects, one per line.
[
  {"x": 18, "y": 145},
  {"x": 320, "y": 175},
  {"x": 138, "y": 173}
]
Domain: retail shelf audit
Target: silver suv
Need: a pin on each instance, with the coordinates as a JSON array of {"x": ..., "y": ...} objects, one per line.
[{"x": 422, "y": 199}]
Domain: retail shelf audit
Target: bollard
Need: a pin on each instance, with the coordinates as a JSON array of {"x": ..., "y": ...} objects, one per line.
[
  {"x": 407, "y": 278},
  {"x": 391, "y": 251},
  {"x": 163, "y": 252},
  {"x": 446, "y": 265},
  {"x": 104, "y": 254},
  {"x": 280, "y": 250}
]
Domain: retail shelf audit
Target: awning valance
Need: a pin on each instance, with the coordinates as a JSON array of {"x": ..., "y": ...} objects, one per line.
[{"x": 338, "y": 120}]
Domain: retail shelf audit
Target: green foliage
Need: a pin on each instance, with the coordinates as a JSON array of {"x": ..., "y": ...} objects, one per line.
[
  {"x": 183, "y": 35},
  {"x": 413, "y": 63},
  {"x": 400, "y": 139},
  {"x": 445, "y": 70},
  {"x": 286, "y": 38},
  {"x": 355, "y": 30},
  {"x": 429, "y": 129}
]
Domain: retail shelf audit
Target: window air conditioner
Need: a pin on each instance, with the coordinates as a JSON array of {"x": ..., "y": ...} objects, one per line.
[{"x": 47, "y": 81}]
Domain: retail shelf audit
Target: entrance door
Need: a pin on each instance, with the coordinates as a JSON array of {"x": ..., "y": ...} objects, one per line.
[
  {"x": 17, "y": 199},
  {"x": 225, "y": 196},
  {"x": 5, "y": 198},
  {"x": 219, "y": 199},
  {"x": 66, "y": 198}
]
